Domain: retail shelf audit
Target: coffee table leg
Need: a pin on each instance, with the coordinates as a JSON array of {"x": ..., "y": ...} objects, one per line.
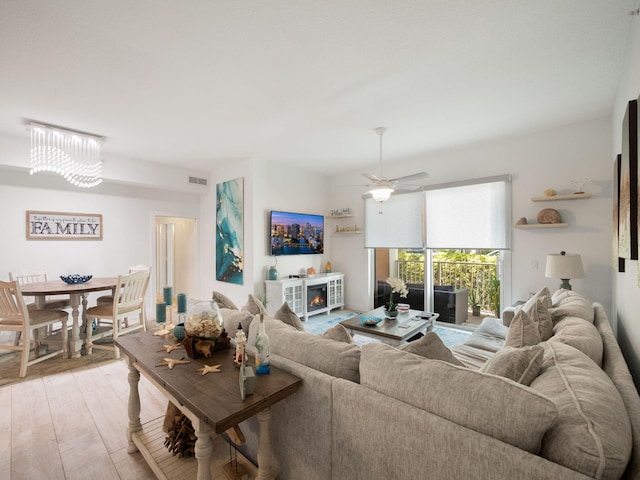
[
  {"x": 264, "y": 446},
  {"x": 134, "y": 408},
  {"x": 203, "y": 450}
]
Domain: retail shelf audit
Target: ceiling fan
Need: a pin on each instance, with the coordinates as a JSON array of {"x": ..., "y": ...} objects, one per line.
[{"x": 381, "y": 188}]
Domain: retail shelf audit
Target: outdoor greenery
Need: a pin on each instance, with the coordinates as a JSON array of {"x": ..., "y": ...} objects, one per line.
[{"x": 473, "y": 270}]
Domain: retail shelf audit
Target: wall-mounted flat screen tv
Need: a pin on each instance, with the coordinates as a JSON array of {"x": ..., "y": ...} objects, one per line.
[{"x": 296, "y": 233}]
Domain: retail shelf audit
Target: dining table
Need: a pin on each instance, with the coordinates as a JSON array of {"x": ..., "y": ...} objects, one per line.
[{"x": 78, "y": 294}]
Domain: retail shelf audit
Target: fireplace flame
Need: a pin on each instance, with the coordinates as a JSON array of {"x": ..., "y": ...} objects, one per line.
[{"x": 317, "y": 300}]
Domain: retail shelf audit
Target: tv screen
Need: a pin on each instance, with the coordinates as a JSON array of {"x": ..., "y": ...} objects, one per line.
[{"x": 296, "y": 233}]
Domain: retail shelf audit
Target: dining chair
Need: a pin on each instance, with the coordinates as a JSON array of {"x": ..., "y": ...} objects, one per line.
[
  {"x": 108, "y": 299},
  {"x": 128, "y": 301},
  {"x": 25, "y": 322},
  {"x": 51, "y": 301}
]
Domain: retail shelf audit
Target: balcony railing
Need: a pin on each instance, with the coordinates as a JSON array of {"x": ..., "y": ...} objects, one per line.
[{"x": 473, "y": 276}]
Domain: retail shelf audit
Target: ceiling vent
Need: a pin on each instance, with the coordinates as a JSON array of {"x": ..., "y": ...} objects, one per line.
[{"x": 198, "y": 181}]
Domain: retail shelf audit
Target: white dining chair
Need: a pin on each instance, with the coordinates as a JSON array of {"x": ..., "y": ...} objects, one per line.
[
  {"x": 25, "y": 322},
  {"x": 108, "y": 299},
  {"x": 128, "y": 301},
  {"x": 51, "y": 301}
]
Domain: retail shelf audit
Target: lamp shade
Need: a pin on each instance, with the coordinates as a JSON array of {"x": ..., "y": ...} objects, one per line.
[{"x": 564, "y": 265}]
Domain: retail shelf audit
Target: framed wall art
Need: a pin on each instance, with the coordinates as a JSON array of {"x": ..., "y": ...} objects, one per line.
[
  {"x": 230, "y": 231},
  {"x": 628, "y": 198},
  {"x": 63, "y": 226}
]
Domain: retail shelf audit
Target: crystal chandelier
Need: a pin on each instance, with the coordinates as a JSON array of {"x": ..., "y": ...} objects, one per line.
[{"x": 74, "y": 155}]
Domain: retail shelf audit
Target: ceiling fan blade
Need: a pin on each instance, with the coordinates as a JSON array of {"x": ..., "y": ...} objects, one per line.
[
  {"x": 372, "y": 177},
  {"x": 415, "y": 176},
  {"x": 405, "y": 187}
]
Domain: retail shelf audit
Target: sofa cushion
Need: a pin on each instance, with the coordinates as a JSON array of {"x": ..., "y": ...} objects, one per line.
[
  {"x": 579, "y": 334},
  {"x": 593, "y": 432},
  {"x": 523, "y": 332},
  {"x": 339, "y": 334},
  {"x": 487, "y": 404},
  {"x": 232, "y": 318},
  {"x": 541, "y": 316},
  {"x": 430, "y": 346},
  {"x": 337, "y": 359},
  {"x": 471, "y": 357},
  {"x": 490, "y": 335},
  {"x": 521, "y": 365},
  {"x": 223, "y": 301},
  {"x": 254, "y": 306},
  {"x": 288, "y": 316},
  {"x": 570, "y": 303}
]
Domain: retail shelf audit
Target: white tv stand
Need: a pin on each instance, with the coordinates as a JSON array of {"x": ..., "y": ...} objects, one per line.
[{"x": 294, "y": 292}]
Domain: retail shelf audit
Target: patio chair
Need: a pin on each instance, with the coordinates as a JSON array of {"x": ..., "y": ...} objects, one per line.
[
  {"x": 128, "y": 301},
  {"x": 16, "y": 317}
]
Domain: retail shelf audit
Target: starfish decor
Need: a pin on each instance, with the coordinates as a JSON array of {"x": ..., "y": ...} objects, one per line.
[
  {"x": 170, "y": 348},
  {"x": 209, "y": 369},
  {"x": 172, "y": 362}
]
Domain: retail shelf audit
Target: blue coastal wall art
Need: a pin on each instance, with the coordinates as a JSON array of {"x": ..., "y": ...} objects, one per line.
[{"x": 230, "y": 231}]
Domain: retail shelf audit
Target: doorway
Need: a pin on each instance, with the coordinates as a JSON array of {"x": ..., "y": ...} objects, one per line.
[{"x": 176, "y": 255}]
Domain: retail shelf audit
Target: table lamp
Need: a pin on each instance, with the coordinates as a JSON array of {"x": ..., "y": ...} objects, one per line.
[{"x": 564, "y": 266}]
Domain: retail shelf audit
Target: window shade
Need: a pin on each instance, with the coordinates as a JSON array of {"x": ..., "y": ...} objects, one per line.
[
  {"x": 474, "y": 216},
  {"x": 400, "y": 225}
]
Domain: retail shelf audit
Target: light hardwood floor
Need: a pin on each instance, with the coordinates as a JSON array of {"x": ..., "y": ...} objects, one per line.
[{"x": 73, "y": 425}]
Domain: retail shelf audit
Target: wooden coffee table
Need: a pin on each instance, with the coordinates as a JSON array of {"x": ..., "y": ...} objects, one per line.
[
  {"x": 212, "y": 402},
  {"x": 394, "y": 332}
]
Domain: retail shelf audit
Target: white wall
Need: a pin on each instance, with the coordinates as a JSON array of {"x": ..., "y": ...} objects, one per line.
[
  {"x": 266, "y": 187},
  {"x": 128, "y": 216},
  {"x": 627, "y": 292},
  {"x": 548, "y": 159}
]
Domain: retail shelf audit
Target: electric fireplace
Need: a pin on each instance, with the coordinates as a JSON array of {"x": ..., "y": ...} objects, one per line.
[{"x": 316, "y": 297}]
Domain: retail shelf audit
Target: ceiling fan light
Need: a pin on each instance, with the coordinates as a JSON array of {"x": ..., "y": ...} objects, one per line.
[{"x": 381, "y": 194}]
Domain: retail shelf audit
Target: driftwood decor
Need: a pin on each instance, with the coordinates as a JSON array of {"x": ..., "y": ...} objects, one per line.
[{"x": 197, "y": 347}]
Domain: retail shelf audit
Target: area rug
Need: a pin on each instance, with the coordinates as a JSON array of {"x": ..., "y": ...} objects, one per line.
[
  {"x": 10, "y": 365},
  {"x": 321, "y": 323}
]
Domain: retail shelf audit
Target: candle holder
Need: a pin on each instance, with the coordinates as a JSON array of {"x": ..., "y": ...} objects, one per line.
[{"x": 161, "y": 319}]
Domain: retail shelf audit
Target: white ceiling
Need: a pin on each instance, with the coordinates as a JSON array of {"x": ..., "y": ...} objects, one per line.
[{"x": 197, "y": 82}]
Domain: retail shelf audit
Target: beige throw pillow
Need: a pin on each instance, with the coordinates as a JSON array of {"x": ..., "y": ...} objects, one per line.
[
  {"x": 254, "y": 306},
  {"x": 522, "y": 331},
  {"x": 223, "y": 301},
  {"x": 430, "y": 346},
  {"x": 543, "y": 294},
  {"x": 540, "y": 315},
  {"x": 338, "y": 333},
  {"x": 521, "y": 365},
  {"x": 286, "y": 315}
]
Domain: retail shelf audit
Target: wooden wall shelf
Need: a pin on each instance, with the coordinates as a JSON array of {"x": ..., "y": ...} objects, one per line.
[
  {"x": 572, "y": 196},
  {"x": 339, "y": 216},
  {"x": 542, "y": 225}
]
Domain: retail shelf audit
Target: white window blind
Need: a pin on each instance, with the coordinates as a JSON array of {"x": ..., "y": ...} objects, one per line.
[
  {"x": 472, "y": 216},
  {"x": 400, "y": 225}
]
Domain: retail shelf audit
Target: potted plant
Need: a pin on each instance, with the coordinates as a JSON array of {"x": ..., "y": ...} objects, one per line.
[
  {"x": 397, "y": 286},
  {"x": 473, "y": 301}
]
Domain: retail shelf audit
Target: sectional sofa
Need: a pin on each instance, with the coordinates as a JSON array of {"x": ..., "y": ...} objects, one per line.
[{"x": 545, "y": 393}]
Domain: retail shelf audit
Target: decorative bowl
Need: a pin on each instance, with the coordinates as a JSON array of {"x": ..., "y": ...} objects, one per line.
[
  {"x": 370, "y": 321},
  {"x": 75, "y": 278}
]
